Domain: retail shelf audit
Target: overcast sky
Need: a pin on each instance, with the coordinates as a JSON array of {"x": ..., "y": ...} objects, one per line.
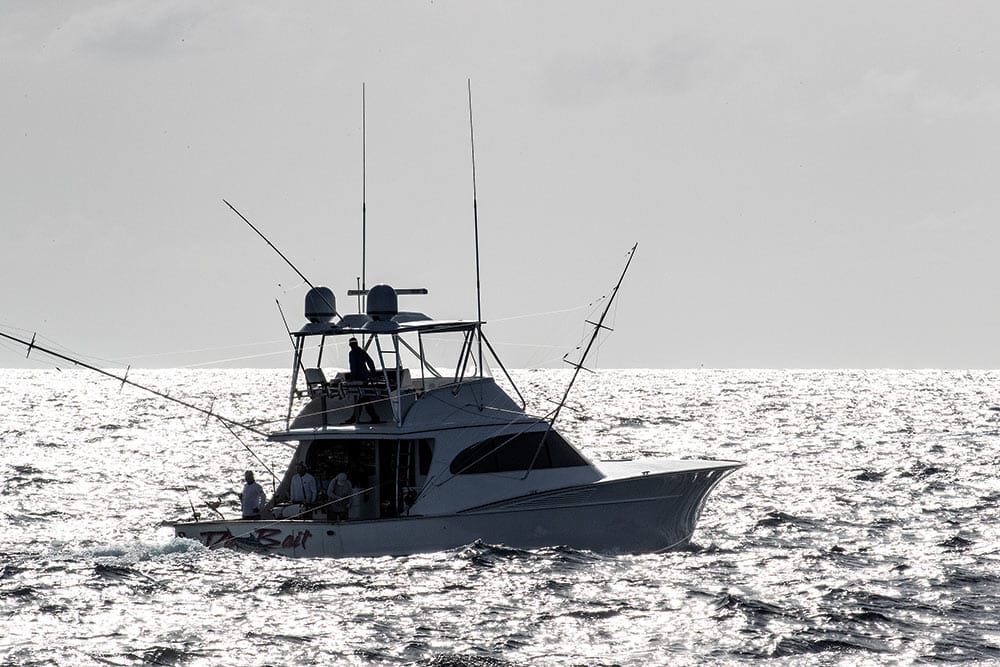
[{"x": 810, "y": 184}]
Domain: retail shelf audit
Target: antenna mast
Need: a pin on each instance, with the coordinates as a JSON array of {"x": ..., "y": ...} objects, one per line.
[
  {"x": 475, "y": 216},
  {"x": 364, "y": 196}
]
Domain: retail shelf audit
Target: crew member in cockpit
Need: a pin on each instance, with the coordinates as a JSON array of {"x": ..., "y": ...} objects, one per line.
[
  {"x": 252, "y": 500},
  {"x": 303, "y": 487},
  {"x": 340, "y": 493}
]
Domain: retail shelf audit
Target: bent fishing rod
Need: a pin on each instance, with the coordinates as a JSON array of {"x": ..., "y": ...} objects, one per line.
[{"x": 32, "y": 345}]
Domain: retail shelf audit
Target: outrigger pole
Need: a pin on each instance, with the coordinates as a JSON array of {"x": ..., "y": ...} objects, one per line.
[
  {"x": 281, "y": 254},
  {"x": 268, "y": 242},
  {"x": 475, "y": 217},
  {"x": 125, "y": 381},
  {"x": 598, "y": 326}
]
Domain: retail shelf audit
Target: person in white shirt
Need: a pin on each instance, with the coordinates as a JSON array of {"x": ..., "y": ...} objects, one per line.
[
  {"x": 341, "y": 496},
  {"x": 303, "y": 488},
  {"x": 252, "y": 498}
]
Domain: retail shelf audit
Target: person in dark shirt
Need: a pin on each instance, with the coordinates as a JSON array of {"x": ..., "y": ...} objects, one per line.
[
  {"x": 362, "y": 370},
  {"x": 362, "y": 366}
]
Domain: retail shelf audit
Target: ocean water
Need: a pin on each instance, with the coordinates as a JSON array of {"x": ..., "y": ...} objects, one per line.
[{"x": 863, "y": 529}]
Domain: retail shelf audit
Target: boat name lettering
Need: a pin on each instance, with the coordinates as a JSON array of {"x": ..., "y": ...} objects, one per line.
[{"x": 267, "y": 538}]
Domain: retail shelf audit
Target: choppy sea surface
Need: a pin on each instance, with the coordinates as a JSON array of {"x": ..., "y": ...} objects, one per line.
[{"x": 863, "y": 529}]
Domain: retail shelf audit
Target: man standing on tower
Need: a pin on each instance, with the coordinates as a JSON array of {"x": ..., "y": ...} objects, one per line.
[{"x": 362, "y": 369}]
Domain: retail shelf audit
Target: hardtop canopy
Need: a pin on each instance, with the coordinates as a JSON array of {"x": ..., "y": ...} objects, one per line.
[{"x": 360, "y": 324}]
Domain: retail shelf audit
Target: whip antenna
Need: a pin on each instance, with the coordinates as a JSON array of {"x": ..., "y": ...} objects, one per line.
[
  {"x": 475, "y": 217},
  {"x": 364, "y": 196}
]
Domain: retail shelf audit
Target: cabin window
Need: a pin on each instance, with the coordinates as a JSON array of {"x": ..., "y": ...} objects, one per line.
[
  {"x": 387, "y": 473},
  {"x": 507, "y": 453},
  {"x": 357, "y": 458},
  {"x": 426, "y": 454}
]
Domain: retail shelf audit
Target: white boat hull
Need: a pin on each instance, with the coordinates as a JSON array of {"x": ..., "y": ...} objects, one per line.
[{"x": 638, "y": 514}]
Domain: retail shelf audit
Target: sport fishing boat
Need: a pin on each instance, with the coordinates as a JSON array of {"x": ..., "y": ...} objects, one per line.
[{"x": 445, "y": 457}]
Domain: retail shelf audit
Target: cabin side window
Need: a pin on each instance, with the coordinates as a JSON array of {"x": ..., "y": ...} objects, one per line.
[
  {"x": 386, "y": 474},
  {"x": 425, "y": 455},
  {"x": 508, "y": 453}
]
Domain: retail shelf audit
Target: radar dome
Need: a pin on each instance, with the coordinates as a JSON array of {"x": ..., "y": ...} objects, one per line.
[
  {"x": 382, "y": 303},
  {"x": 321, "y": 305}
]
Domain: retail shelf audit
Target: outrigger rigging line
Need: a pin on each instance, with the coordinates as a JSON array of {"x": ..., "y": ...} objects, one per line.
[{"x": 32, "y": 345}]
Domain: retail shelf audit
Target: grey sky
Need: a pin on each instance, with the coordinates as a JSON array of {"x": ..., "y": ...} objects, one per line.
[{"x": 810, "y": 184}]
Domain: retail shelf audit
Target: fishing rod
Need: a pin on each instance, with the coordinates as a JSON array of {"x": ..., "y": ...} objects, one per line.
[
  {"x": 191, "y": 502},
  {"x": 291, "y": 338},
  {"x": 252, "y": 452},
  {"x": 32, "y": 345}
]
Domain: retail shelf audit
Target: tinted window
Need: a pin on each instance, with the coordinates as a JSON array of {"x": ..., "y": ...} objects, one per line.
[
  {"x": 515, "y": 452},
  {"x": 426, "y": 454}
]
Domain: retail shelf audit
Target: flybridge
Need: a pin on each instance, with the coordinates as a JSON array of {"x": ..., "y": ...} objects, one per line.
[{"x": 405, "y": 369}]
